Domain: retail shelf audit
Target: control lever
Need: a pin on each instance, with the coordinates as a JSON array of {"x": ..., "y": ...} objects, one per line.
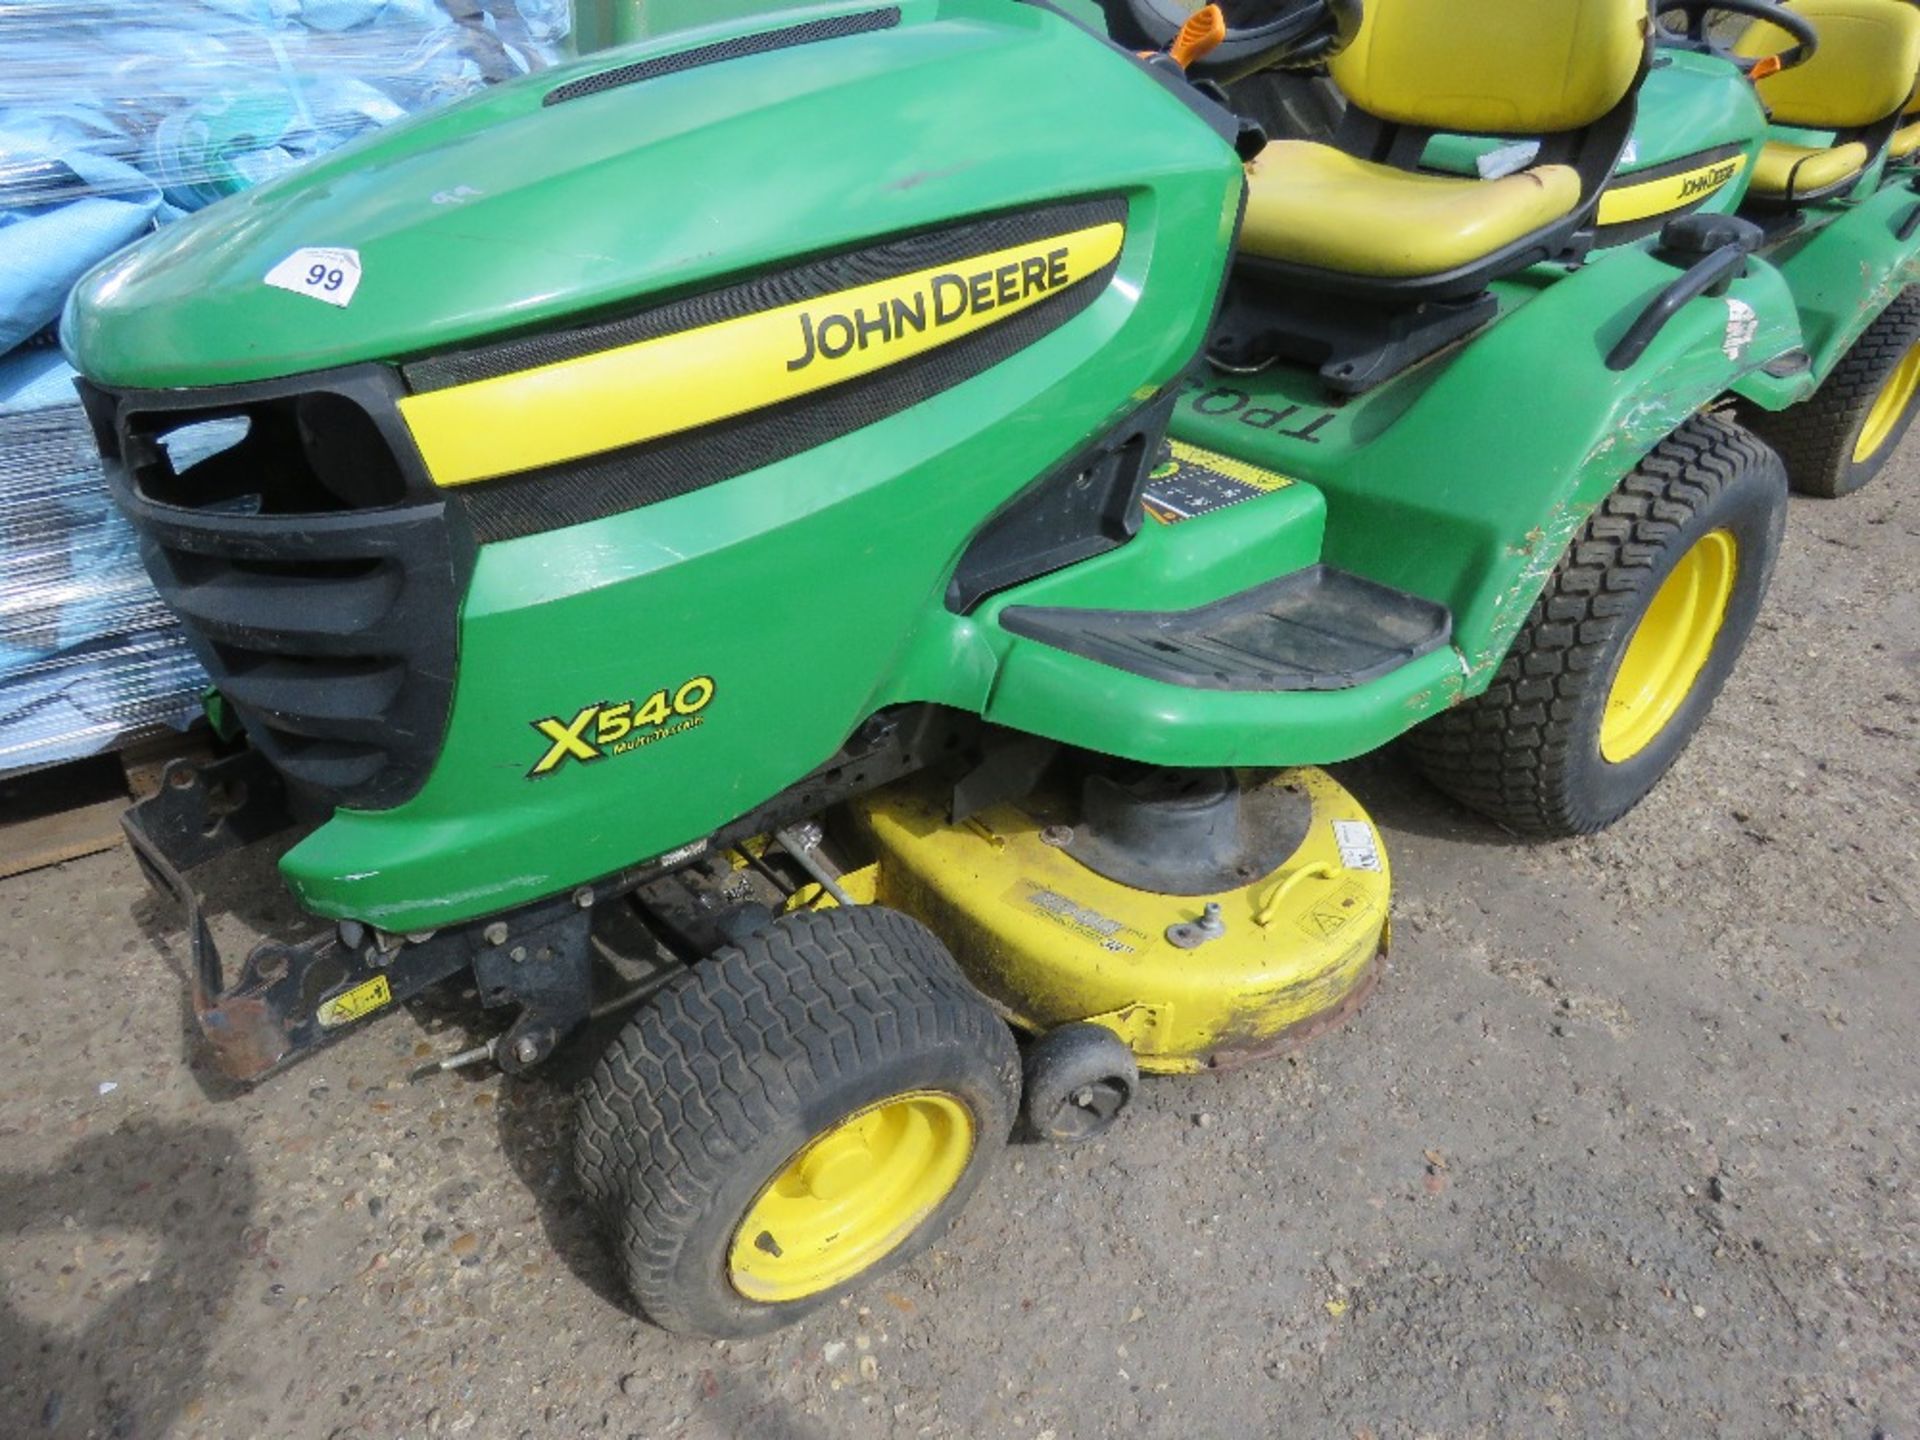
[{"x": 1204, "y": 33}]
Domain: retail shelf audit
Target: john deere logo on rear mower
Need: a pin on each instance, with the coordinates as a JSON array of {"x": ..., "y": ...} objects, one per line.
[{"x": 1692, "y": 187}]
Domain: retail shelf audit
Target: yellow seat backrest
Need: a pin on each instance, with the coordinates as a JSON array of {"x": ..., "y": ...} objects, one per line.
[
  {"x": 1862, "y": 73},
  {"x": 1494, "y": 67}
]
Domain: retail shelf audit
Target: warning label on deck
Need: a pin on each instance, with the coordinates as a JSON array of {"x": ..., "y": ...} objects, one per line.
[
  {"x": 1346, "y": 906},
  {"x": 1113, "y": 936}
]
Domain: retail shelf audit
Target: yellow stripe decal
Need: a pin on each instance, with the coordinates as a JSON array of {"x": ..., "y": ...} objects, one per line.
[
  {"x": 658, "y": 387},
  {"x": 1625, "y": 204}
]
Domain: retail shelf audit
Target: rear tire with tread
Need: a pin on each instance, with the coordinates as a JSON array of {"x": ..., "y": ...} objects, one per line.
[
  {"x": 1817, "y": 437},
  {"x": 722, "y": 1077},
  {"x": 1526, "y": 753}
]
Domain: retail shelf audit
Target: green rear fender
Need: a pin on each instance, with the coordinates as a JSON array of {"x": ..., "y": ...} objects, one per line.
[
  {"x": 1489, "y": 476},
  {"x": 1841, "y": 277},
  {"x": 1465, "y": 480}
]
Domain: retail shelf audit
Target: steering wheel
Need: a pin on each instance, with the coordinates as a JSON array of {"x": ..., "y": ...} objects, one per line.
[
  {"x": 1261, "y": 34},
  {"x": 1696, "y": 36}
]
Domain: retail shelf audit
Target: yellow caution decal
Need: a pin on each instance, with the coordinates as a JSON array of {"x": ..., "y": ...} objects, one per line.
[
  {"x": 1627, "y": 203},
  {"x": 1191, "y": 482},
  {"x": 640, "y": 392},
  {"x": 362, "y": 999}
]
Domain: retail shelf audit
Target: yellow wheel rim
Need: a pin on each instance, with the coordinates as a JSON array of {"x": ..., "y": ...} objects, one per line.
[
  {"x": 851, "y": 1197},
  {"x": 1888, "y": 406},
  {"x": 1670, "y": 647}
]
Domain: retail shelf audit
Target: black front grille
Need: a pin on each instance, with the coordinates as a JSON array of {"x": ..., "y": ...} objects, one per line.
[{"x": 317, "y": 572}]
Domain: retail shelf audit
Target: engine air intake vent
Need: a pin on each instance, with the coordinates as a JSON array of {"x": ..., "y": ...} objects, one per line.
[
  {"x": 319, "y": 579},
  {"x": 834, "y": 27}
]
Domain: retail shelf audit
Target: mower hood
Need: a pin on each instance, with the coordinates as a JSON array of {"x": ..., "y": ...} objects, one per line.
[{"x": 631, "y": 177}]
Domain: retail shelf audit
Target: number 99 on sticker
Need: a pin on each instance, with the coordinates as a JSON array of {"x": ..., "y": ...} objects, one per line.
[{"x": 329, "y": 274}]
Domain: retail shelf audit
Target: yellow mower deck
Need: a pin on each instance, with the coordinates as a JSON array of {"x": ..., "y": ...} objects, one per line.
[{"x": 1050, "y": 942}]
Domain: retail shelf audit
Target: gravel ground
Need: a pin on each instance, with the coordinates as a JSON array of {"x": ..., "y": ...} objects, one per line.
[{"x": 1625, "y": 1145}]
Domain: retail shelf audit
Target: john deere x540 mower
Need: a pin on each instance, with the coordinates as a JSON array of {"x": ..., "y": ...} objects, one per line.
[
  {"x": 1798, "y": 118},
  {"x": 720, "y": 532},
  {"x": 1835, "y": 199}
]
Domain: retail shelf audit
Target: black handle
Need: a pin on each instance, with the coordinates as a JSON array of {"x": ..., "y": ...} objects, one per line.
[{"x": 1722, "y": 264}]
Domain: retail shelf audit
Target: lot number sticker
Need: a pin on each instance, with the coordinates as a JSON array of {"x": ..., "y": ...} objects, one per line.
[{"x": 323, "y": 273}]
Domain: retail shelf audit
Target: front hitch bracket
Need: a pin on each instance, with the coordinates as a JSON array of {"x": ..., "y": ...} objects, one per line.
[{"x": 287, "y": 999}]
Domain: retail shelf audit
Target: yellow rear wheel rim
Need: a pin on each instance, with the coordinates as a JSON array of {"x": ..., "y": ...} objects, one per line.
[
  {"x": 1670, "y": 647},
  {"x": 1888, "y": 406},
  {"x": 851, "y": 1196}
]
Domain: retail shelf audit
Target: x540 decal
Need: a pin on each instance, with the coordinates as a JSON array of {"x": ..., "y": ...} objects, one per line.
[{"x": 605, "y": 729}]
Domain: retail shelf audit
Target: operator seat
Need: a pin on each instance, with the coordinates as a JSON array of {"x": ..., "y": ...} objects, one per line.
[
  {"x": 1358, "y": 216},
  {"x": 1857, "y": 87},
  {"x": 1906, "y": 140}
]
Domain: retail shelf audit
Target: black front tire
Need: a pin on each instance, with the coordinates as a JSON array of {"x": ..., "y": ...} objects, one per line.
[
  {"x": 1818, "y": 437},
  {"x": 727, "y": 1074},
  {"x": 1527, "y": 753}
]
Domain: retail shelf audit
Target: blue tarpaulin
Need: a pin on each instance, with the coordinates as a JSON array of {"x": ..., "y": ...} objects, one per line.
[{"x": 117, "y": 116}]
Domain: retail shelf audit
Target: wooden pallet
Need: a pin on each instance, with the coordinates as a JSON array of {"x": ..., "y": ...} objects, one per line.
[{"x": 69, "y": 811}]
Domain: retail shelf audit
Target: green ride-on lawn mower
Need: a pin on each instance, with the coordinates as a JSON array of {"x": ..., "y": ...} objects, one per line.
[
  {"x": 1798, "y": 118},
  {"x": 1831, "y": 188},
  {"x": 715, "y": 535}
]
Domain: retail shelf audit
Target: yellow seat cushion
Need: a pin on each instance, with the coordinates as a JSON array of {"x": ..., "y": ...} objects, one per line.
[
  {"x": 1803, "y": 169},
  {"x": 1862, "y": 73},
  {"x": 1313, "y": 205},
  {"x": 1905, "y": 141}
]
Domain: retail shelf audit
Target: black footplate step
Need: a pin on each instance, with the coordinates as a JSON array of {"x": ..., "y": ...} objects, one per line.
[{"x": 1316, "y": 629}]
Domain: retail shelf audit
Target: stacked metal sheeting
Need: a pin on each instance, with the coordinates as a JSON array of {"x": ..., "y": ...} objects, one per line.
[
  {"x": 88, "y": 654},
  {"x": 117, "y": 116}
]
